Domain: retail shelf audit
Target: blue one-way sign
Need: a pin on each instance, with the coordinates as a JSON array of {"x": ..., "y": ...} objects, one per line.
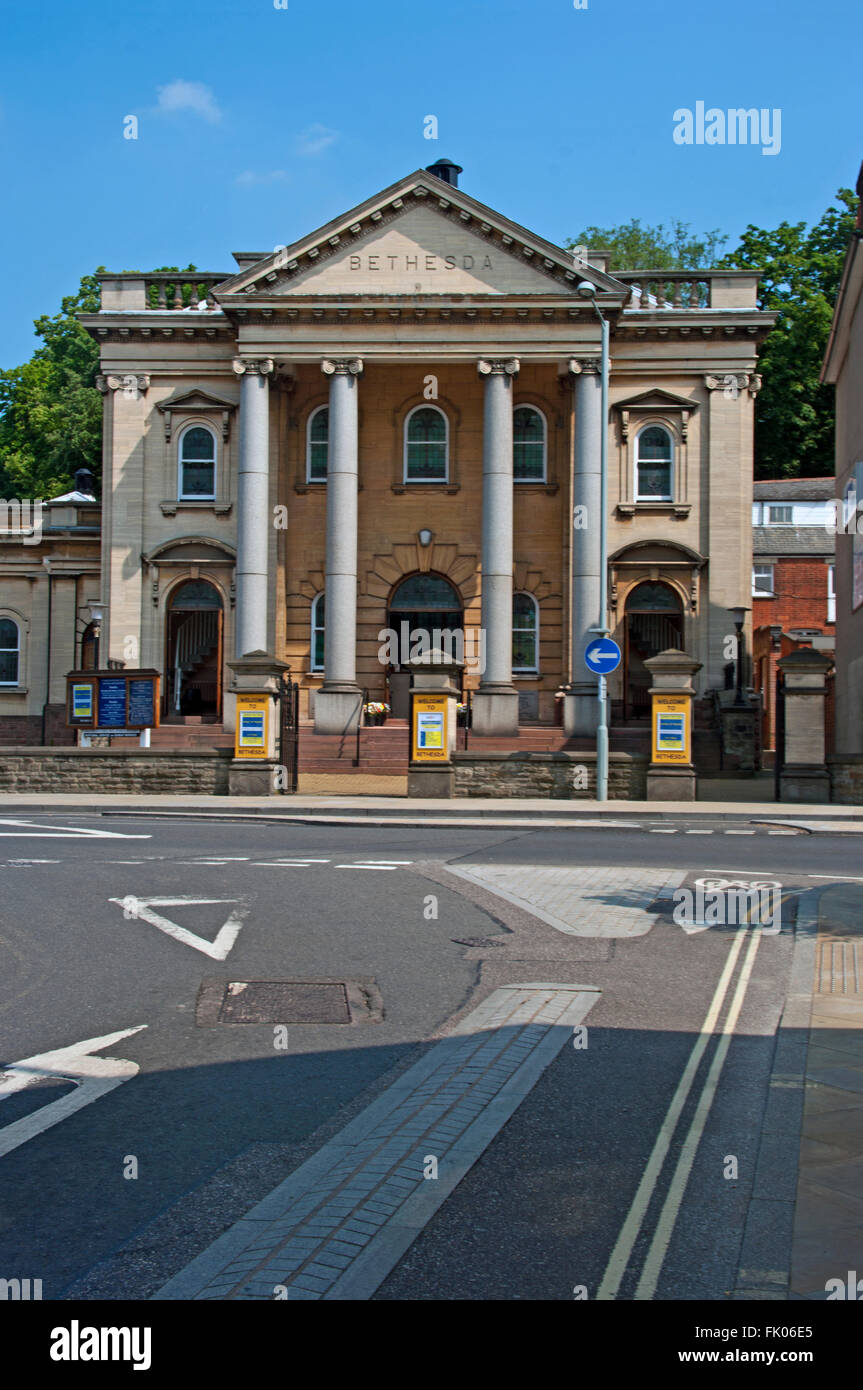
[{"x": 602, "y": 656}]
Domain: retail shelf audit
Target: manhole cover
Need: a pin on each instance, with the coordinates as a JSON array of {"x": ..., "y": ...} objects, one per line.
[{"x": 288, "y": 1001}]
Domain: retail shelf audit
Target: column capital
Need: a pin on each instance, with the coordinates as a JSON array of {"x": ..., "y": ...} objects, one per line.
[
  {"x": 487, "y": 366},
  {"x": 253, "y": 366},
  {"x": 342, "y": 366},
  {"x": 132, "y": 384},
  {"x": 579, "y": 366}
]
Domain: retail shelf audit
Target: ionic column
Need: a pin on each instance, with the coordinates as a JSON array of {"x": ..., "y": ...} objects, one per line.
[
  {"x": 253, "y": 505},
  {"x": 495, "y": 706},
  {"x": 337, "y": 703},
  {"x": 581, "y": 707}
]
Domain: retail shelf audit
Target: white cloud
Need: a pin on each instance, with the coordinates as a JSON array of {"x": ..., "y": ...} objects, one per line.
[
  {"x": 315, "y": 140},
  {"x": 250, "y": 178},
  {"x": 189, "y": 96}
]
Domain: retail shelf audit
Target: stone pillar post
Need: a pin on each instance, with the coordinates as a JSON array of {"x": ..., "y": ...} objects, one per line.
[
  {"x": 337, "y": 703},
  {"x": 495, "y": 705},
  {"x": 253, "y": 506},
  {"x": 803, "y": 775},
  {"x": 671, "y": 774},
  {"x": 580, "y": 705}
]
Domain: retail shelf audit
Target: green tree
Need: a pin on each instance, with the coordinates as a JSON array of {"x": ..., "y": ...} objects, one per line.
[
  {"x": 50, "y": 409},
  {"x": 801, "y": 271},
  {"x": 634, "y": 247}
]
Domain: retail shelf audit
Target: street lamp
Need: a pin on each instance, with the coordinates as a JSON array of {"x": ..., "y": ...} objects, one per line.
[
  {"x": 96, "y": 612},
  {"x": 739, "y": 616},
  {"x": 588, "y": 291}
]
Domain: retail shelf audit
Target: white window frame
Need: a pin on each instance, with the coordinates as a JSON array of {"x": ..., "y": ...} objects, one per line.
[
  {"x": 529, "y": 405},
  {"x": 425, "y": 482},
  {"x": 668, "y": 499},
  {"x": 776, "y": 506},
  {"x": 528, "y": 670},
  {"x": 315, "y": 627},
  {"x": 764, "y": 593},
  {"x": 183, "y": 496},
  {"x": 317, "y": 410},
  {"x": 18, "y": 650},
  {"x": 831, "y": 593}
]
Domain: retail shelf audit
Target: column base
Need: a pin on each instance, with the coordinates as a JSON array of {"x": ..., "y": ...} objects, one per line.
[
  {"x": 247, "y": 777},
  {"x": 495, "y": 712},
  {"x": 581, "y": 712},
  {"x": 431, "y": 781},
  {"x": 339, "y": 710},
  {"x": 671, "y": 783},
  {"x": 802, "y": 783}
]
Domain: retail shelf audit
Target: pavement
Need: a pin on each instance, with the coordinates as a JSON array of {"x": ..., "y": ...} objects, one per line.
[{"x": 420, "y": 812}]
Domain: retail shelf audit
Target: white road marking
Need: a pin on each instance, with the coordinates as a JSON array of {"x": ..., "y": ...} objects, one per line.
[
  {"x": 663, "y": 832},
  {"x": 622, "y": 1252},
  {"x": 216, "y": 950},
  {"x": 738, "y": 832},
  {"x": 652, "y": 1267},
  {"x": 94, "y": 1077},
  {"x": 698, "y": 832},
  {"x": 62, "y": 832},
  {"x": 279, "y": 864},
  {"x": 23, "y": 863},
  {"x": 382, "y": 868},
  {"x": 845, "y": 878},
  {"x": 387, "y": 861}
]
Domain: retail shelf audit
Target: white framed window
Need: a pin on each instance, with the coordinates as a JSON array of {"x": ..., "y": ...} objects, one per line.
[
  {"x": 780, "y": 515},
  {"x": 426, "y": 445},
  {"x": 10, "y": 651},
  {"x": 529, "y": 444},
  {"x": 317, "y": 444},
  {"x": 831, "y": 593},
  {"x": 197, "y": 464},
  {"x": 318, "y": 627},
  {"x": 762, "y": 580},
  {"x": 654, "y": 465},
  {"x": 525, "y": 634}
]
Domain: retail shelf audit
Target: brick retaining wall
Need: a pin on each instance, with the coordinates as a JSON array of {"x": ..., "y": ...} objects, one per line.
[
  {"x": 109, "y": 770},
  {"x": 548, "y": 775}
]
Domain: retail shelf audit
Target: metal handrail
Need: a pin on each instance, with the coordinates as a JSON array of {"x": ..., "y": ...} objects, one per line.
[{"x": 363, "y": 703}]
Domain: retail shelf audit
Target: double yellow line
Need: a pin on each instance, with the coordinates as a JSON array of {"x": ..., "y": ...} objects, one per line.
[{"x": 622, "y": 1252}]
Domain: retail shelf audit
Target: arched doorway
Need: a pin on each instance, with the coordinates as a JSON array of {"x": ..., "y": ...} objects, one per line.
[
  {"x": 654, "y": 623},
  {"x": 193, "y": 664},
  {"x": 422, "y": 602}
]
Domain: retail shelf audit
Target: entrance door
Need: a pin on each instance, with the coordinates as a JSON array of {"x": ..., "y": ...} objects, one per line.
[
  {"x": 654, "y": 624},
  {"x": 194, "y": 651},
  {"x": 424, "y": 602}
]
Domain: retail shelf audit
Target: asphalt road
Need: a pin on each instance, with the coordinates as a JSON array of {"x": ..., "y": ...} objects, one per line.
[{"x": 218, "y": 1112}]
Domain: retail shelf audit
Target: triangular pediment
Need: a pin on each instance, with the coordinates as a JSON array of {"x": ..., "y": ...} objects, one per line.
[
  {"x": 656, "y": 400},
  {"x": 196, "y": 400},
  {"x": 420, "y": 236}
]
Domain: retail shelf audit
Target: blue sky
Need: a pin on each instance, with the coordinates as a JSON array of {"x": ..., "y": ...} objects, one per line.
[{"x": 257, "y": 124}]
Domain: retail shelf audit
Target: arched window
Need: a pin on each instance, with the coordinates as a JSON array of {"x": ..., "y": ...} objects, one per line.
[
  {"x": 654, "y": 462},
  {"x": 528, "y": 445},
  {"x": 317, "y": 444},
  {"x": 426, "y": 445},
  {"x": 318, "y": 628},
  {"x": 10, "y": 651},
  {"x": 197, "y": 463},
  {"x": 525, "y": 633}
]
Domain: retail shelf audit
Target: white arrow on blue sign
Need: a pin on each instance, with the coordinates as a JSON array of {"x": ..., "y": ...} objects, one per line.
[{"x": 602, "y": 656}]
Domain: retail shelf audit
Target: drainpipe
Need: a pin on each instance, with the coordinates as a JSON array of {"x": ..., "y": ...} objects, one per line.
[{"x": 47, "y": 563}]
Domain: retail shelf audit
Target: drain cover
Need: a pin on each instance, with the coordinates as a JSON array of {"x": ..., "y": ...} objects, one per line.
[{"x": 288, "y": 1001}]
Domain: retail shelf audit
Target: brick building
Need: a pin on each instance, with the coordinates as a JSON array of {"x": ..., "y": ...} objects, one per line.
[
  {"x": 401, "y": 411},
  {"x": 793, "y": 580}
]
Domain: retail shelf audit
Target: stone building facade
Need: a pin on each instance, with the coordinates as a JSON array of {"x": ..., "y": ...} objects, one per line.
[{"x": 402, "y": 411}]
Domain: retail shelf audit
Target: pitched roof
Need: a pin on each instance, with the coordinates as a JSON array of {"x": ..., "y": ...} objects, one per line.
[
  {"x": 794, "y": 489},
  {"x": 775, "y": 541}
]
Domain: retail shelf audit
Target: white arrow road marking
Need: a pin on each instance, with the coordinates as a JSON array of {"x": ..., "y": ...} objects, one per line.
[
  {"x": 216, "y": 950},
  {"x": 61, "y": 832},
  {"x": 94, "y": 1077}
]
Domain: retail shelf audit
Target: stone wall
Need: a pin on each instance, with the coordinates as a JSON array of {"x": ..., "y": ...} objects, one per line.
[
  {"x": 553, "y": 775},
  {"x": 846, "y": 777},
  {"x": 111, "y": 770}
]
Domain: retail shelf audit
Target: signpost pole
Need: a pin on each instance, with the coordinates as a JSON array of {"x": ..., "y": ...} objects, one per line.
[{"x": 602, "y": 689}]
